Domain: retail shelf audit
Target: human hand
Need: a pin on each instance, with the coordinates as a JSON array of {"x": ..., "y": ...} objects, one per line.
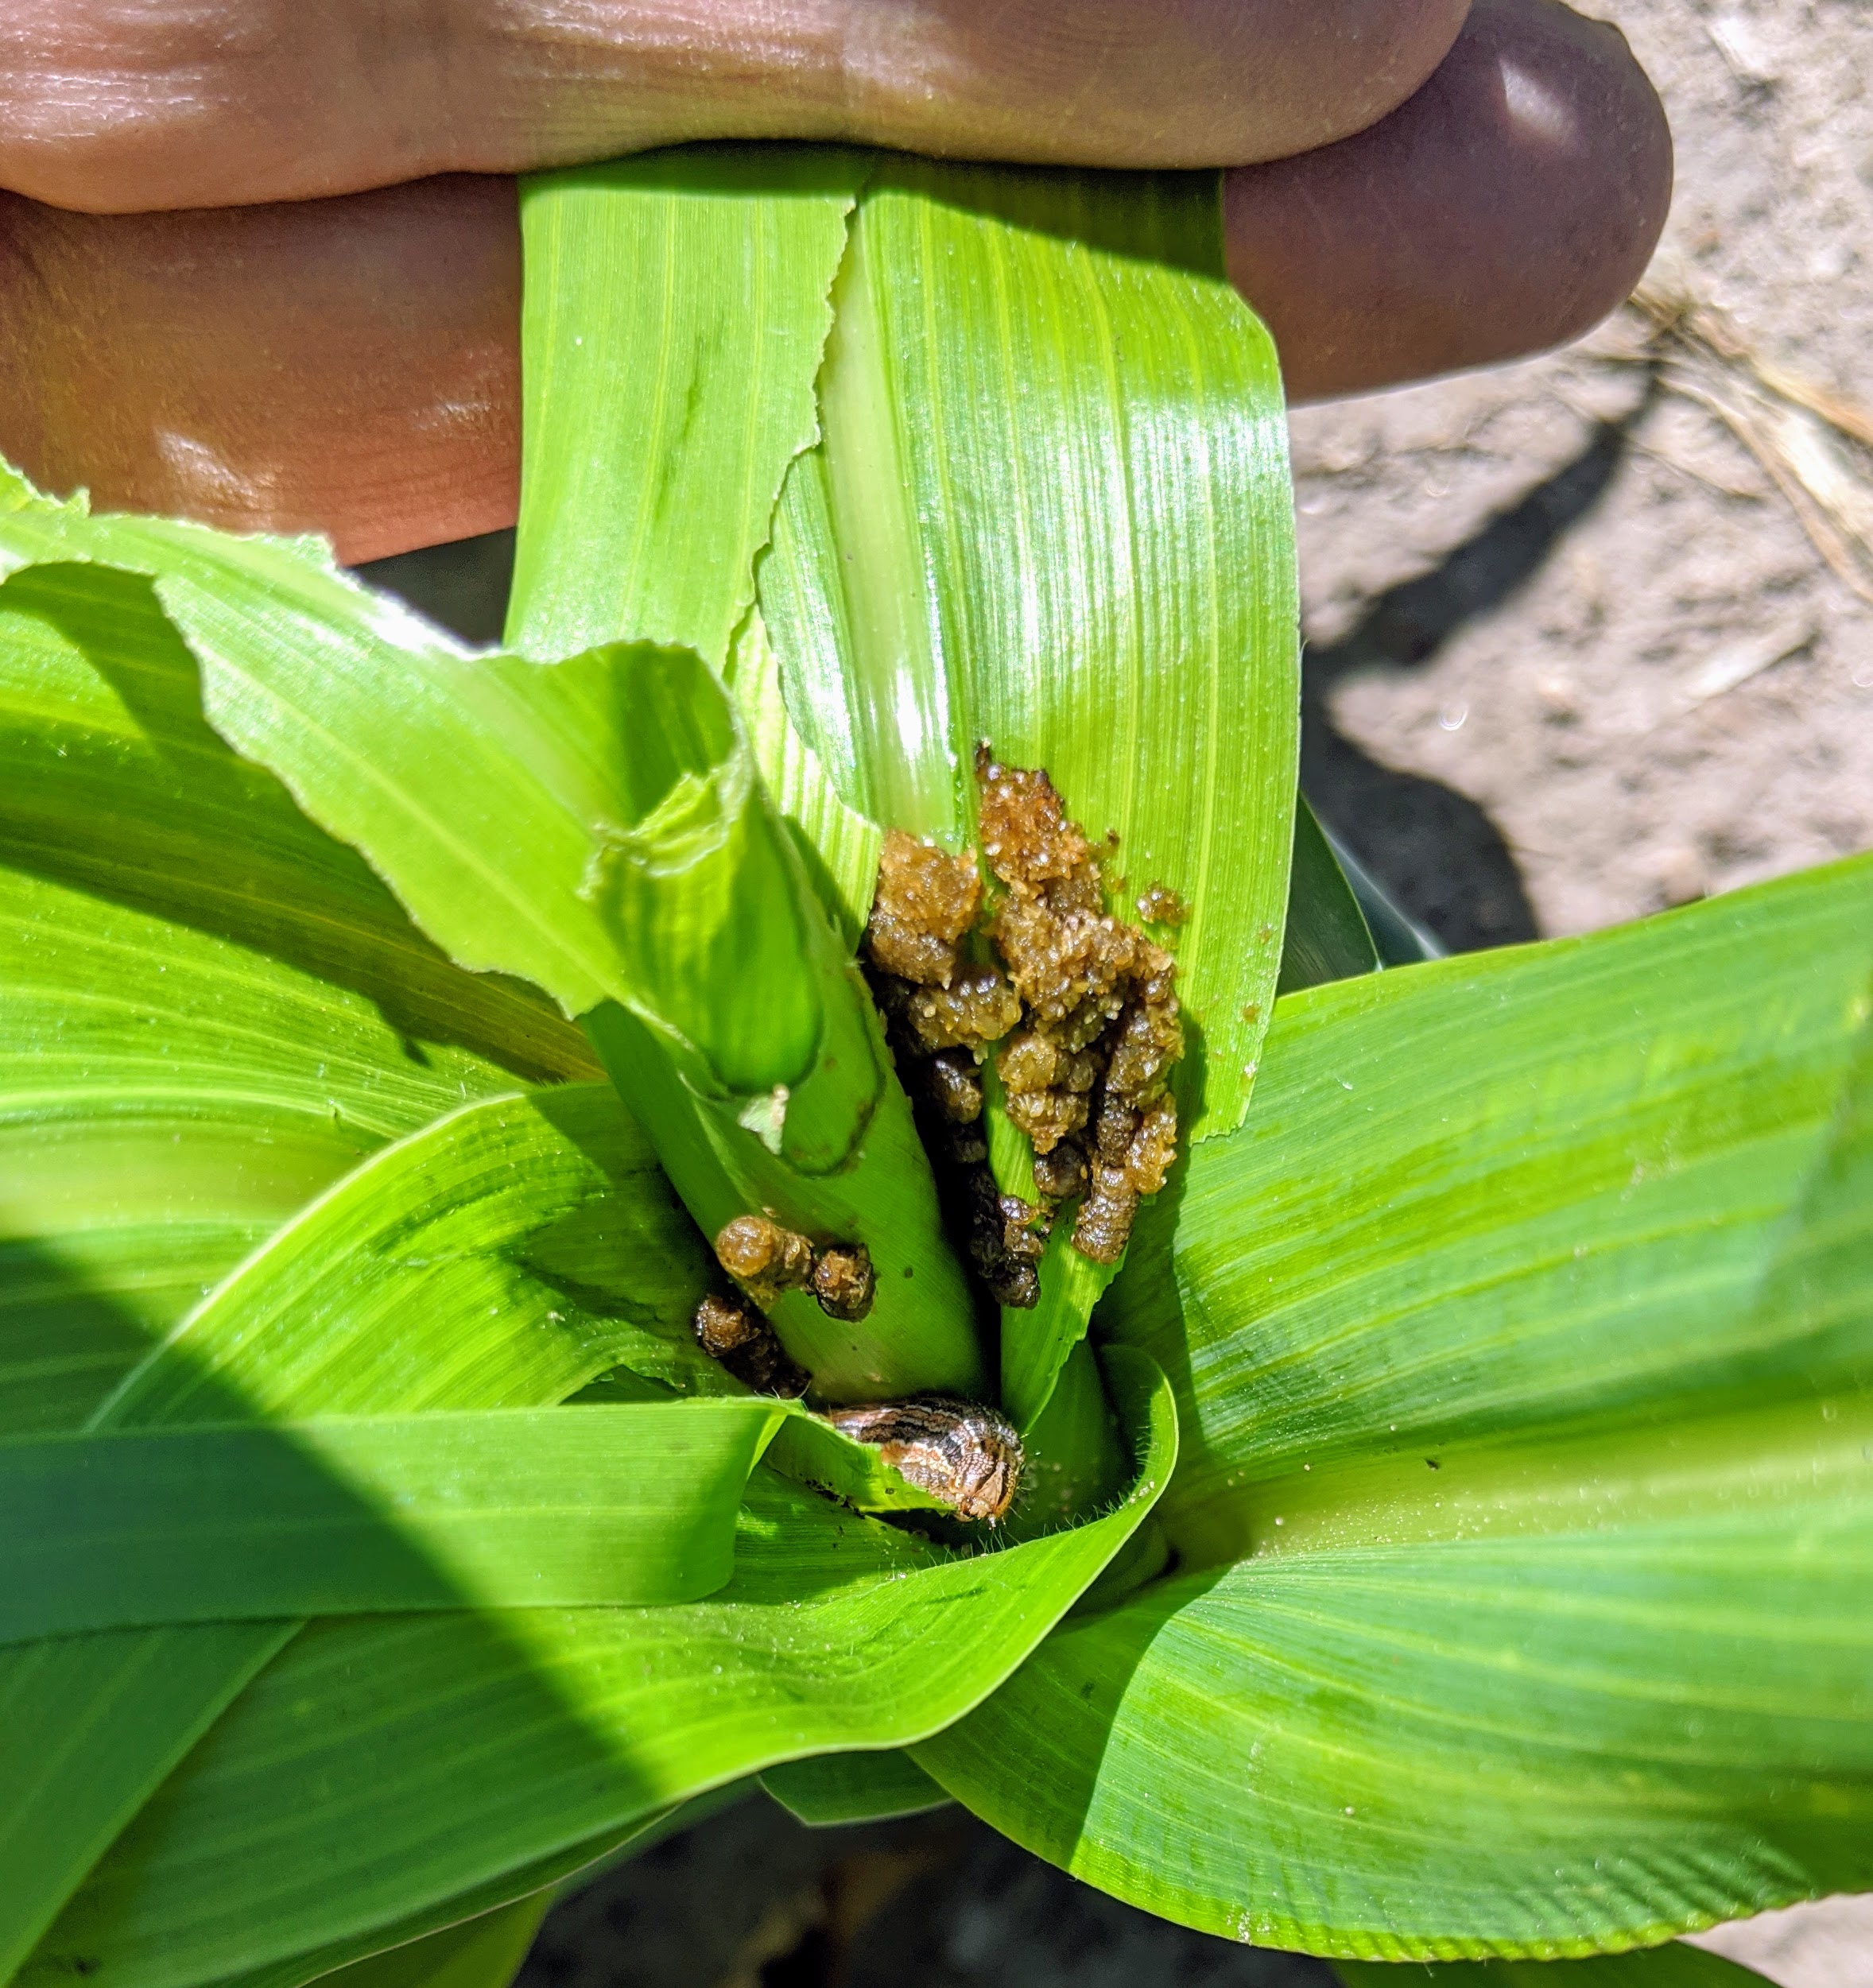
[{"x": 325, "y": 335}]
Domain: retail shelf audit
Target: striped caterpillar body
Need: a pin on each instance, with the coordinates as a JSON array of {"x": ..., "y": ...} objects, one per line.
[{"x": 968, "y": 1456}]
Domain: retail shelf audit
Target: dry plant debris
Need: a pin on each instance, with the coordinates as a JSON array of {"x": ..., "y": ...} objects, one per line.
[
  {"x": 968, "y": 1456},
  {"x": 1815, "y": 447}
]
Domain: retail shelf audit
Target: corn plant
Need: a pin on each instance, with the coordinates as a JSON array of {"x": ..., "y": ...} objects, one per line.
[{"x": 1447, "y": 1536}]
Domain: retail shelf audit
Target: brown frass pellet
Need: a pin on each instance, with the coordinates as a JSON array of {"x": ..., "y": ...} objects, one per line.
[
  {"x": 729, "y": 1329},
  {"x": 1160, "y": 905},
  {"x": 844, "y": 1281},
  {"x": 1083, "y": 1004},
  {"x": 925, "y": 901},
  {"x": 1087, "y": 1077},
  {"x": 941, "y": 1012},
  {"x": 764, "y": 1258}
]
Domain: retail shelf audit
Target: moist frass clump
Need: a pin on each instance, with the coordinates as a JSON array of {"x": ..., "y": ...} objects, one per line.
[{"x": 1083, "y": 1004}]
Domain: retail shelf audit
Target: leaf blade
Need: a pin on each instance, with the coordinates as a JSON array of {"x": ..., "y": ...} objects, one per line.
[
  {"x": 1521, "y": 1247},
  {"x": 519, "y": 1325},
  {"x": 503, "y": 1508},
  {"x": 486, "y": 1952},
  {"x": 596, "y": 826},
  {"x": 645, "y": 406},
  {"x": 835, "y": 1632},
  {"x": 1036, "y": 353},
  {"x": 1049, "y": 510},
  {"x": 828, "y": 1789},
  {"x": 1667, "y": 1967},
  {"x": 1576, "y": 1654}
]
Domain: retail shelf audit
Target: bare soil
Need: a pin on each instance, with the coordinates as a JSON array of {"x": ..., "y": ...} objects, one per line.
[
  {"x": 753, "y": 1900},
  {"x": 1571, "y": 655}
]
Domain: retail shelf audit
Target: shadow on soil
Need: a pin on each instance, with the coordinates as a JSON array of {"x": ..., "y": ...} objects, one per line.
[
  {"x": 754, "y": 1899},
  {"x": 1436, "y": 853}
]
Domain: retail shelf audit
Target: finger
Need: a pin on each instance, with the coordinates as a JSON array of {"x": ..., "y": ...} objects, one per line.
[
  {"x": 349, "y": 365},
  {"x": 181, "y": 103},
  {"x": 1509, "y": 205}
]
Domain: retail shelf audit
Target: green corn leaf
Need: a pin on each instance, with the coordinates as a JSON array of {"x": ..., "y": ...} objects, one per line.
[
  {"x": 89, "y": 1727},
  {"x": 1049, "y": 509},
  {"x": 546, "y": 1879},
  {"x": 643, "y": 516},
  {"x": 117, "y": 786},
  {"x": 480, "y": 1953},
  {"x": 643, "y": 526},
  {"x": 1400, "y": 939},
  {"x": 832, "y": 1788},
  {"x": 193, "y": 977},
  {"x": 687, "y": 296},
  {"x": 342, "y": 1791},
  {"x": 1048, "y": 506},
  {"x": 510, "y": 1508},
  {"x": 211, "y": 1011},
  {"x": 524, "y": 811},
  {"x": 596, "y": 826},
  {"x": 1325, "y": 937},
  {"x": 486, "y": 788},
  {"x": 1526, "y": 1516},
  {"x": 811, "y": 1451},
  {"x": 1668, "y": 1967},
  {"x": 1525, "y": 1248},
  {"x": 503, "y": 1258},
  {"x": 167, "y": 1099},
  {"x": 838, "y": 845}
]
